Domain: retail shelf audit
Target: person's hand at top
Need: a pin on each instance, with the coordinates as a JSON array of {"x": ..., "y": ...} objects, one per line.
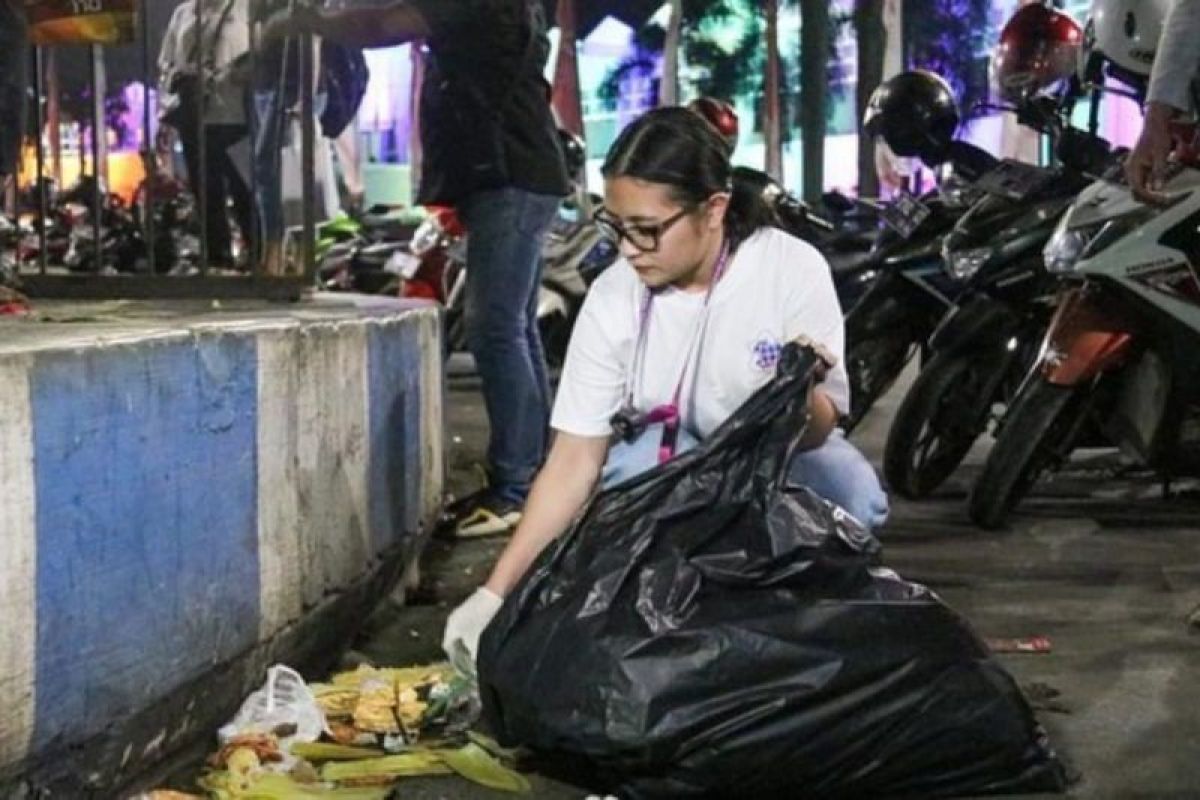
[{"x": 1146, "y": 164}]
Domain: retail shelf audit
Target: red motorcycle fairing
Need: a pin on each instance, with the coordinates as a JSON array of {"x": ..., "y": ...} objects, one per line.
[{"x": 1084, "y": 340}]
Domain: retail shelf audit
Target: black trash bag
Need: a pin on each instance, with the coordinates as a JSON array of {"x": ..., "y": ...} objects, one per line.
[{"x": 707, "y": 630}]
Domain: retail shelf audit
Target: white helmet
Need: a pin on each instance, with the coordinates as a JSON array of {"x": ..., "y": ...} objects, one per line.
[{"x": 1126, "y": 33}]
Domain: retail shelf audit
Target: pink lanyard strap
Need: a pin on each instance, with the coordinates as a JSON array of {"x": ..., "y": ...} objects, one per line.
[{"x": 669, "y": 415}]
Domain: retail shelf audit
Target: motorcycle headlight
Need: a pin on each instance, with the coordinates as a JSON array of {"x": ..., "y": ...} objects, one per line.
[
  {"x": 1068, "y": 246},
  {"x": 1064, "y": 249},
  {"x": 426, "y": 237},
  {"x": 963, "y": 264}
]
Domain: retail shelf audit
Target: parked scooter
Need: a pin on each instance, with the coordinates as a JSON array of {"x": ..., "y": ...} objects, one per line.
[
  {"x": 1119, "y": 356},
  {"x": 367, "y": 254},
  {"x": 983, "y": 346},
  {"x": 988, "y": 341}
]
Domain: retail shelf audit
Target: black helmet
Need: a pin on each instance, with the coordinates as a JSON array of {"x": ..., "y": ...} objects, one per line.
[
  {"x": 574, "y": 151},
  {"x": 915, "y": 113}
]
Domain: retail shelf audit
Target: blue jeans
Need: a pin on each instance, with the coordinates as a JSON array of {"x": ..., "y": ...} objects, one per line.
[
  {"x": 505, "y": 229},
  {"x": 836, "y": 470}
]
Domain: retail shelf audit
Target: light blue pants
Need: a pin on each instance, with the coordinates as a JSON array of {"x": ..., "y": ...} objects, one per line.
[{"x": 836, "y": 470}]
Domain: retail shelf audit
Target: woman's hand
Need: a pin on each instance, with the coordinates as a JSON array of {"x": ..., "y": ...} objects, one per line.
[
  {"x": 826, "y": 360},
  {"x": 1146, "y": 164},
  {"x": 465, "y": 627}
]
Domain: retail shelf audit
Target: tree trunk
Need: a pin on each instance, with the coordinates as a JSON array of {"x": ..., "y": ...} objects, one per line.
[
  {"x": 566, "y": 100},
  {"x": 872, "y": 44},
  {"x": 668, "y": 93},
  {"x": 814, "y": 93},
  {"x": 771, "y": 99}
]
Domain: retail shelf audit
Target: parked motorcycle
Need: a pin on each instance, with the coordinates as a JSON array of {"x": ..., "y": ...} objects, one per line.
[
  {"x": 434, "y": 267},
  {"x": 1119, "y": 354},
  {"x": 985, "y": 345},
  {"x": 364, "y": 254}
]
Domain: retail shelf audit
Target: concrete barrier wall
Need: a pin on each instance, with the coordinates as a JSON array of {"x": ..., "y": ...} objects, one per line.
[{"x": 176, "y": 491}]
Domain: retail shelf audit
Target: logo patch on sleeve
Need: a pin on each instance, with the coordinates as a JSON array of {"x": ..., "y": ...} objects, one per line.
[{"x": 766, "y": 351}]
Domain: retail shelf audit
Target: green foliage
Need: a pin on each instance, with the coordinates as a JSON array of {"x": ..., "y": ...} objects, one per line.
[
  {"x": 951, "y": 38},
  {"x": 719, "y": 70}
]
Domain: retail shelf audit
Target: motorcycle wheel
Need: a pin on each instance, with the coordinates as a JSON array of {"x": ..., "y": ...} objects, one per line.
[
  {"x": 936, "y": 424},
  {"x": 1037, "y": 434},
  {"x": 873, "y": 365}
]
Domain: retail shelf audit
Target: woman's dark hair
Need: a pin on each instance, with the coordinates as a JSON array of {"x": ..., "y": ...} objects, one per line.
[{"x": 681, "y": 150}]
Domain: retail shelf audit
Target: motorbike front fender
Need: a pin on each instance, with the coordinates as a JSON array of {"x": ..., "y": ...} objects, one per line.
[{"x": 1085, "y": 340}]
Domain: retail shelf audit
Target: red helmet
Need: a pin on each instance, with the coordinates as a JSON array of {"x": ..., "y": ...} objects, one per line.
[
  {"x": 721, "y": 115},
  {"x": 1038, "y": 47}
]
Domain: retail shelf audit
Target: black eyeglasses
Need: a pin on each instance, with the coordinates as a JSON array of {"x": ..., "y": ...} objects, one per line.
[{"x": 645, "y": 238}]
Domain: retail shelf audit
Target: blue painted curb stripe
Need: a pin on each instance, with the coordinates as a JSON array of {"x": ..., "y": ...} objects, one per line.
[{"x": 147, "y": 562}]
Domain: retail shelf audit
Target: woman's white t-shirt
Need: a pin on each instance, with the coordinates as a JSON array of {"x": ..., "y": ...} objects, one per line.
[{"x": 775, "y": 288}]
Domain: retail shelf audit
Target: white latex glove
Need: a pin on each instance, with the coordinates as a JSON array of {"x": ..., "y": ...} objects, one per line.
[{"x": 464, "y": 627}]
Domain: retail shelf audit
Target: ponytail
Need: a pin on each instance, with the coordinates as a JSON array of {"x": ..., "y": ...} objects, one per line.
[{"x": 748, "y": 210}]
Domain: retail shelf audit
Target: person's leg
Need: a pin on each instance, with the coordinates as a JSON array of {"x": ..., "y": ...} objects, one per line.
[
  {"x": 349, "y": 159},
  {"x": 268, "y": 161},
  {"x": 537, "y": 353},
  {"x": 216, "y": 201},
  {"x": 189, "y": 143},
  {"x": 505, "y": 230},
  {"x": 841, "y": 474},
  {"x": 235, "y": 182}
]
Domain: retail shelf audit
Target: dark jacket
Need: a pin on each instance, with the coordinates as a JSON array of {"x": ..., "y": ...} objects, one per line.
[{"x": 485, "y": 106}]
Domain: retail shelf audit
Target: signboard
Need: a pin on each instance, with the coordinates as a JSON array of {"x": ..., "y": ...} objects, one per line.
[{"x": 81, "y": 21}]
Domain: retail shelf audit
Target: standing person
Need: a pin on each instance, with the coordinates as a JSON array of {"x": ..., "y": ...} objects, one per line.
[
  {"x": 14, "y": 63},
  {"x": 491, "y": 151},
  {"x": 223, "y": 49},
  {"x": 685, "y": 328},
  {"x": 1176, "y": 64},
  {"x": 275, "y": 89},
  {"x": 346, "y": 142}
]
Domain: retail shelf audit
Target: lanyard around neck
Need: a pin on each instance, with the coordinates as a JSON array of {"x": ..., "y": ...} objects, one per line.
[{"x": 639, "y": 353}]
